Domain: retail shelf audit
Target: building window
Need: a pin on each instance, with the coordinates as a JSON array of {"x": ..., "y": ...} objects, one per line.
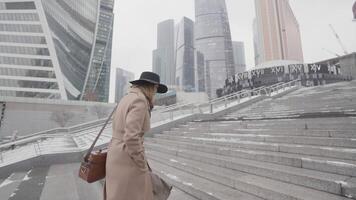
[
  {"x": 25, "y": 61},
  {"x": 31, "y": 28},
  {"x": 30, "y": 94},
  {"x": 19, "y": 17},
  {"x": 26, "y": 5},
  {"x": 22, "y": 39},
  {"x": 26, "y": 72},
  {"x": 24, "y": 50},
  {"x": 28, "y": 84}
]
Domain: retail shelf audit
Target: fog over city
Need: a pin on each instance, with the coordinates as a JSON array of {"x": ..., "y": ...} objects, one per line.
[{"x": 135, "y": 29}]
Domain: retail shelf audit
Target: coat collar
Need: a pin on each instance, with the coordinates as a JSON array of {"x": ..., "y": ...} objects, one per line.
[{"x": 140, "y": 93}]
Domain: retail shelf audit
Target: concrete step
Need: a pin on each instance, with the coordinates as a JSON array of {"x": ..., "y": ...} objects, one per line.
[
  {"x": 260, "y": 186},
  {"x": 293, "y": 108},
  {"x": 301, "y": 139},
  {"x": 199, "y": 188},
  {"x": 331, "y": 152},
  {"x": 312, "y": 122},
  {"x": 177, "y": 194},
  {"x": 9, "y": 186},
  {"x": 266, "y": 131},
  {"x": 225, "y": 126},
  {"x": 303, "y": 177},
  {"x": 335, "y": 166},
  {"x": 326, "y": 124}
]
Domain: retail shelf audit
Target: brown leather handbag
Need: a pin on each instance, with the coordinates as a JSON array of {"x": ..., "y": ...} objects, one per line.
[{"x": 93, "y": 165}]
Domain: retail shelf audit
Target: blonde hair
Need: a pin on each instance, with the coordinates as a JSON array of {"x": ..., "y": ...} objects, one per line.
[{"x": 148, "y": 90}]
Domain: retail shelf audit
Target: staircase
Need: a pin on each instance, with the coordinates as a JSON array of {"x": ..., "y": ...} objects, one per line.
[{"x": 300, "y": 146}]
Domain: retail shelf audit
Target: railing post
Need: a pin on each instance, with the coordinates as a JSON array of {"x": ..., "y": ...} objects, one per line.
[
  {"x": 211, "y": 108},
  {"x": 238, "y": 98},
  {"x": 225, "y": 101},
  {"x": 171, "y": 115}
]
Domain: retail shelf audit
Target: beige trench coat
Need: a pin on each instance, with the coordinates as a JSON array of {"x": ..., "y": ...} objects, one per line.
[{"x": 127, "y": 175}]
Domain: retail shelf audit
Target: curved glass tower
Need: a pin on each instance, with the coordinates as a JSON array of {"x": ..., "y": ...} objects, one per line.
[
  {"x": 57, "y": 49},
  {"x": 213, "y": 40}
]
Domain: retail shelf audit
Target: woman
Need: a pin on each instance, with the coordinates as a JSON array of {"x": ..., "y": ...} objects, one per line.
[{"x": 127, "y": 174}]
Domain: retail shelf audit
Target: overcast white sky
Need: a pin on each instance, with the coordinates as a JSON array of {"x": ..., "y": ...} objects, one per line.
[{"x": 135, "y": 29}]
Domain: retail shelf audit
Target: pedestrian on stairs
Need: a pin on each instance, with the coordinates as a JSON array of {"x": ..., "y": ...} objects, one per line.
[{"x": 127, "y": 173}]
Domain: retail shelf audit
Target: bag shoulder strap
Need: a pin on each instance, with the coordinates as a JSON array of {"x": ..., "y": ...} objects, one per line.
[{"x": 86, "y": 157}]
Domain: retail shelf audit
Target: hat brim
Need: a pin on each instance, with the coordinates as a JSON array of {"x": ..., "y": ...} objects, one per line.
[{"x": 161, "y": 87}]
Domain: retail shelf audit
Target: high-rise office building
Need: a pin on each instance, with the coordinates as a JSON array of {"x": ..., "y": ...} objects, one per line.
[
  {"x": 256, "y": 47},
  {"x": 122, "y": 83},
  {"x": 163, "y": 57},
  {"x": 55, "y": 49},
  {"x": 239, "y": 56},
  {"x": 200, "y": 72},
  {"x": 354, "y": 10},
  {"x": 185, "y": 73},
  {"x": 213, "y": 40},
  {"x": 277, "y": 32}
]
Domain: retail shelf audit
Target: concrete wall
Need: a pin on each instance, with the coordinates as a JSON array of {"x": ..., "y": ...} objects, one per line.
[
  {"x": 31, "y": 116},
  {"x": 348, "y": 65}
]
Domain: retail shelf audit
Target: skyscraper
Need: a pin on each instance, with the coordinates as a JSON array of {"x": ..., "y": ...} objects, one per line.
[
  {"x": 122, "y": 83},
  {"x": 277, "y": 32},
  {"x": 48, "y": 47},
  {"x": 200, "y": 72},
  {"x": 239, "y": 56},
  {"x": 213, "y": 40},
  {"x": 185, "y": 73},
  {"x": 163, "y": 57},
  {"x": 354, "y": 10}
]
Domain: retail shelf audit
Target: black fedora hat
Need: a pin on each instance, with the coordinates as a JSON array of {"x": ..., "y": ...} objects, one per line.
[{"x": 153, "y": 78}]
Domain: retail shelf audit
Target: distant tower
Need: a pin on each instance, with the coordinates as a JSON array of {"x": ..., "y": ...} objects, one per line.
[
  {"x": 354, "y": 10},
  {"x": 213, "y": 40},
  {"x": 277, "y": 32},
  {"x": 185, "y": 75},
  {"x": 163, "y": 57},
  {"x": 122, "y": 83},
  {"x": 239, "y": 56}
]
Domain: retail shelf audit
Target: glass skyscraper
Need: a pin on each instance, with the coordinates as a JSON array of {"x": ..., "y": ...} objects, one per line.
[
  {"x": 56, "y": 49},
  {"x": 239, "y": 56},
  {"x": 163, "y": 57},
  {"x": 276, "y": 32},
  {"x": 213, "y": 40},
  {"x": 122, "y": 83},
  {"x": 185, "y": 73}
]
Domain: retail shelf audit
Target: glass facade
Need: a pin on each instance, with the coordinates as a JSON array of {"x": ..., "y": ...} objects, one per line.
[
  {"x": 200, "y": 72},
  {"x": 164, "y": 56},
  {"x": 62, "y": 46},
  {"x": 122, "y": 84},
  {"x": 98, "y": 76},
  {"x": 19, "y": 17},
  {"x": 239, "y": 56},
  {"x": 185, "y": 74},
  {"x": 24, "y": 39},
  {"x": 213, "y": 40},
  {"x": 20, "y": 5}
]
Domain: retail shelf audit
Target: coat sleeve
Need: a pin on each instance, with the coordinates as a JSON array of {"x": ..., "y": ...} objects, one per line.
[{"x": 133, "y": 127}]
